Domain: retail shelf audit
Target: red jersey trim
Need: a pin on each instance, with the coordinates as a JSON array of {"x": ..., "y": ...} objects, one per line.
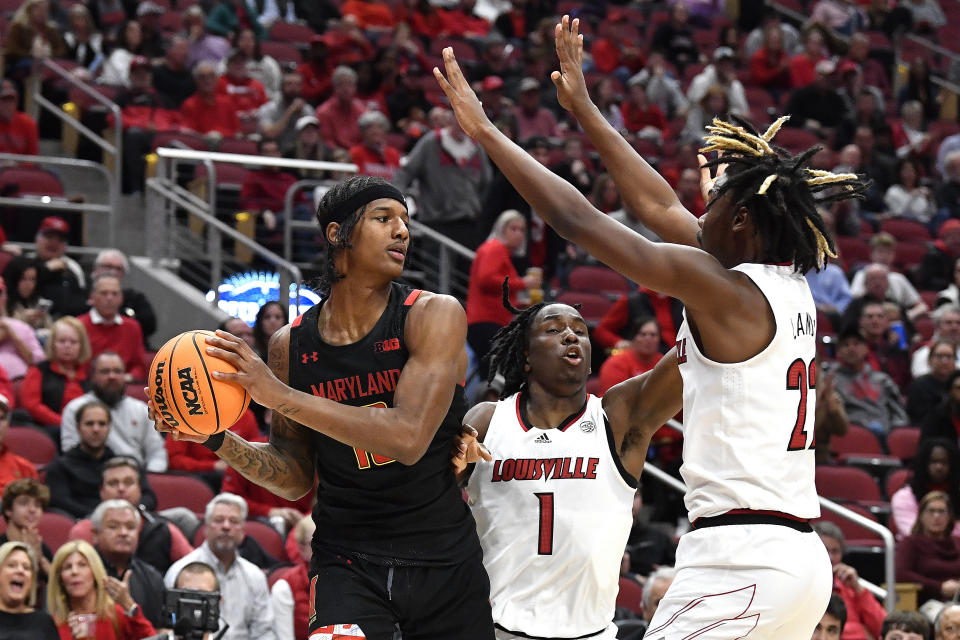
[
  {"x": 412, "y": 297},
  {"x": 563, "y": 426},
  {"x": 296, "y": 321}
]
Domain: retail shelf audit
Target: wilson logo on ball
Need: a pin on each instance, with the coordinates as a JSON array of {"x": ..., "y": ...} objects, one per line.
[
  {"x": 190, "y": 396},
  {"x": 159, "y": 400}
]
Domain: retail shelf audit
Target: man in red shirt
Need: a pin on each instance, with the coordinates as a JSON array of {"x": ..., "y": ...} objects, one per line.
[
  {"x": 533, "y": 119},
  {"x": 236, "y": 84},
  {"x": 206, "y": 112},
  {"x": 316, "y": 71},
  {"x": 373, "y": 156},
  {"x": 338, "y": 116},
  {"x": 18, "y": 131},
  {"x": 12, "y": 466},
  {"x": 110, "y": 331}
]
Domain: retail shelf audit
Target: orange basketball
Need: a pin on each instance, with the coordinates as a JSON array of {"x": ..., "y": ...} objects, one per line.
[{"x": 186, "y": 395}]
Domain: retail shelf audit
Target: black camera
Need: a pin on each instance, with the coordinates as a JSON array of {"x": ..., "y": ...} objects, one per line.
[{"x": 191, "y": 613}]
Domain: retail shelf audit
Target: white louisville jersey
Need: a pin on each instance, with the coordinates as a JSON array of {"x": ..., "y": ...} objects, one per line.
[
  {"x": 553, "y": 511},
  {"x": 748, "y": 426}
]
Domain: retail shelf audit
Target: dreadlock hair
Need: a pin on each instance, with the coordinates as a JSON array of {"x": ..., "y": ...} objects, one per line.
[
  {"x": 508, "y": 348},
  {"x": 779, "y": 190},
  {"x": 343, "y": 190}
]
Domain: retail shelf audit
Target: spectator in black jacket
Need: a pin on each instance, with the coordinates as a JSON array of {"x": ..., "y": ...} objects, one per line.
[
  {"x": 74, "y": 478},
  {"x": 936, "y": 269},
  {"x": 116, "y": 524},
  {"x": 948, "y": 193},
  {"x": 674, "y": 38},
  {"x": 940, "y": 420},
  {"x": 930, "y": 389},
  {"x": 818, "y": 106},
  {"x": 172, "y": 78}
]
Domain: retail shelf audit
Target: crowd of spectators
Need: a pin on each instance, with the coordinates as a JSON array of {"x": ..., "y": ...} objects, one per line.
[{"x": 353, "y": 84}]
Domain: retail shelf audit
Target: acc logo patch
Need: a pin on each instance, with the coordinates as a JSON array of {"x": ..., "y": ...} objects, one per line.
[{"x": 587, "y": 426}]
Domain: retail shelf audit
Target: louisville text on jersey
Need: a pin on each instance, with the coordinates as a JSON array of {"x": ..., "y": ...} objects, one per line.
[
  {"x": 545, "y": 468},
  {"x": 359, "y": 386}
]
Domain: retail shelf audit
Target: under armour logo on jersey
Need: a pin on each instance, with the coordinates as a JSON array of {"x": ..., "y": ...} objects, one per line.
[
  {"x": 386, "y": 345},
  {"x": 543, "y": 438},
  {"x": 309, "y": 356}
]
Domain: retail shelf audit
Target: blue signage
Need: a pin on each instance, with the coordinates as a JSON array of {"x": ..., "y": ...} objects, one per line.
[{"x": 242, "y": 295}]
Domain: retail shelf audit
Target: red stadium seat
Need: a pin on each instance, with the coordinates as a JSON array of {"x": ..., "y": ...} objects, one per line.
[
  {"x": 929, "y": 298},
  {"x": 282, "y": 31},
  {"x": 854, "y": 534},
  {"x": 630, "y": 595},
  {"x": 907, "y": 230},
  {"x": 55, "y": 529},
  {"x": 853, "y": 251},
  {"x": 796, "y": 140},
  {"x": 179, "y": 139},
  {"x": 902, "y": 442},
  {"x": 847, "y": 483},
  {"x": 32, "y": 444},
  {"x": 171, "y": 21},
  {"x": 593, "y": 306},
  {"x": 281, "y": 51},
  {"x": 896, "y": 480},
  {"x": 924, "y": 327},
  {"x": 909, "y": 255},
  {"x": 174, "y": 490},
  {"x": 30, "y": 181},
  {"x": 227, "y": 173},
  {"x": 591, "y": 278},
  {"x": 135, "y": 390},
  {"x": 235, "y": 145},
  {"x": 857, "y": 440},
  {"x": 940, "y": 129}
]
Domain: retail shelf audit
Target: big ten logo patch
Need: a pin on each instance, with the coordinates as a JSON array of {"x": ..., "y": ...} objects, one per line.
[
  {"x": 366, "y": 459},
  {"x": 188, "y": 389},
  {"x": 386, "y": 345}
]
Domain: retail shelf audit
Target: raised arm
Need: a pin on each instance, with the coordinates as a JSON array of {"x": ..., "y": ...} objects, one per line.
[
  {"x": 643, "y": 190},
  {"x": 691, "y": 275},
  {"x": 639, "y": 406},
  {"x": 436, "y": 332}
]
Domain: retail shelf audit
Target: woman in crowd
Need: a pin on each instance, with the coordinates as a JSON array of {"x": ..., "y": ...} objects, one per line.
[
  {"x": 951, "y": 294},
  {"x": 492, "y": 264},
  {"x": 85, "y": 603},
  {"x": 930, "y": 555},
  {"x": 920, "y": 87},
  {"x": 31, "y": 36},
  {"x": 84, "y": 42},
  {"x": 23, "y": 300},
  {"x": 605, "y": 96},
  {"x": 50, "y": 385},
  {"x": 18, "y": 593},
  {"x": 259, "y": 66},
  {"x": 907, "y": 198},
  {"x": 19, "y": 347},
  {"x": 289, "y": 592},
  {"x": 936, "y": 467},
  {"x": 116, "y": 68},
  {"x": 271, "y": 317},
  {"x": 930, "y": 389},
  {"x": 24, "y": 501},
  {"x": 605, "y": 195},
  {"x": 309, "y": 146}
]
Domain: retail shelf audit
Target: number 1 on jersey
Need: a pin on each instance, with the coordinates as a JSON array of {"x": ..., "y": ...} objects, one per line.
[
  {"x": 801, "y": 377},
  {"x": 545, "y": 539}
]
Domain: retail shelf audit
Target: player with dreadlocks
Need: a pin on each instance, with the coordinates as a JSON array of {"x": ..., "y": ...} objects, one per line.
[
  {"x": 561, "y": 473},
  {"x": 743, "y": 369}
]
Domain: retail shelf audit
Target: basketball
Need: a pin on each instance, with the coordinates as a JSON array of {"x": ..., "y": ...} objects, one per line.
[{"x": 184, "y": 393}]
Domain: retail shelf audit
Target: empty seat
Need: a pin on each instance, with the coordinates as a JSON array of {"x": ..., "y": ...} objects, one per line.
[
  {"x": 909, "y": 255},
  {"x": 281, "y": 52},
  {"x": 855, "y": 535},
  {"x": 32, "y": 444},
  {"x": 55, "y": 528},
  {"x": 909, "y": 230},
  {"x": 21, "y": 181},
  {"x": 854, "y": 251},
  {"x": 630, "y": 595},
  {"x": 896, "y": 479},
  {"x": 175, "y": 490},
  {"x": 236, "y": 145},
  {"x": 593, "y": 306},
  {"x": 860, "y": 447},
  {"x": 180, "y": 140},
  {"x": 591, "y": 278},
  {"x": 847, "y": 483},
  {"x": 902, "y": 442},
  {"x": 282, "y": 31}
]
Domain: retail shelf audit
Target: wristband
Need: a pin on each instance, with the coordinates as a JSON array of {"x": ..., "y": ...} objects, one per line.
[{"x": 215, "y": 441}]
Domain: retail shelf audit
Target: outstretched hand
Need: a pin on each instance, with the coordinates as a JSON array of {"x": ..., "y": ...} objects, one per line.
[
  {"x": 467, "y": 449},
  {"x": 464, "y": 102},
  {"x": 707, "y": 181},
  {"x": 571, "y": 87}
]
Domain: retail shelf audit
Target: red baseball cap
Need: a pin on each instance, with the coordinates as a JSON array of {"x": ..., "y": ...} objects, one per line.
[
  {"x": 53, "y": 224},
  {"x": 491, "y": 83},
  {"x": 950, "y": 225}
]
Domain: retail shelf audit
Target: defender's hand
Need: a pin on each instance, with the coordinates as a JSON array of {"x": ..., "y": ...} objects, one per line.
[
  {"x": 467, "y": 449},
  {"x": 571, "y": 87},
  {"x": 466, "y": 106}
]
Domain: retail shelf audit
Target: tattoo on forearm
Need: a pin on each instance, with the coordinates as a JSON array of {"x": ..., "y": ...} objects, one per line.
[
  {"x": 285, "y": 462},
  {"x": 287, "y": 410}
]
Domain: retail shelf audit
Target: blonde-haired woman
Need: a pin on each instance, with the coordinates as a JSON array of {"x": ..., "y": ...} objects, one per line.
[
  {"x": 491, "y": 264},
  {"x": 80, "y": 601},
  {"x": 50, "y": 385},
  {"x": 18, "y": 594}
]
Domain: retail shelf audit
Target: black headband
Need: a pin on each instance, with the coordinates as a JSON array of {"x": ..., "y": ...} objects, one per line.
[{"x": 340, "y": 212}]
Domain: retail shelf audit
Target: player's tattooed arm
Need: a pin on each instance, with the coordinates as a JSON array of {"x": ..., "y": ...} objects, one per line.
[
  {"x": 639, "y": 406},
  {"x": 284, "y": 465}
]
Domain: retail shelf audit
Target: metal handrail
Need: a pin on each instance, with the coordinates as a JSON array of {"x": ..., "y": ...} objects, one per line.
[
  {"x": 61, "y": 205},
  {"x": 264, "y": 161},
  {"x": 889, "y": 594},
  {"x": 169, "y": 191},
  {"x": 115, "y": 149}
]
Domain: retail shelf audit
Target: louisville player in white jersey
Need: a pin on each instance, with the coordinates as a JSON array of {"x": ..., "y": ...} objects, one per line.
[
  {"x": 743, "y": 370},
  {"x": 553, "y": 503}
]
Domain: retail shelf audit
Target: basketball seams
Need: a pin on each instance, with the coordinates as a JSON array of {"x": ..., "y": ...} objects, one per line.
[
  {"x": 171, "y": 388},
  {"x": 206, "y": 372}
]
